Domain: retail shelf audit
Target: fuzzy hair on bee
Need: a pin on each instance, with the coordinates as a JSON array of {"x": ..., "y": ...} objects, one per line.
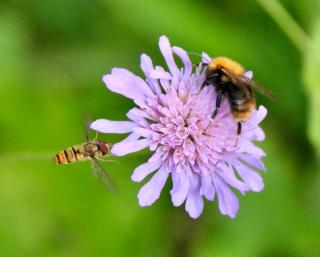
[
  {"x": 228, "y": 78},
  {"x": 226, "y": 63}
]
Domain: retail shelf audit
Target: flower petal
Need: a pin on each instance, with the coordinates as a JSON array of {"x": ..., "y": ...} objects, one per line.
[
  {"x": 251, "y": 148},
  {"x": 132, "y": 137},
  {"x": 207, "y": 189},
  {"x": 194, "y": 203},
  {"x": 180, "y": 188},
  {"x": 119, "y": 85},
  {"x": 143, "y": 132},
  {"x": 228, "y": 201},
  {"x": 250, "y": 177},
  {"x": 123, "y": 148},
  {"x": 227, "y": 174},
  {"x": 147, "y": 66},
  {"x": 145, "y": 169},
  {"x": 206, "y": 58},
  {"x": 133, "y": 80},
  {"x": 166, "y": 51},
  {"x": 248, "y": 74},
  {"x": 185, "y": 59},
  {"x": 159, "y": 73},
  {"x": 108, "y": 126},
  {"x": 260, "y": 114},
  {"x": 251, "y": 160},
  {"x": 150, "y": 192}
]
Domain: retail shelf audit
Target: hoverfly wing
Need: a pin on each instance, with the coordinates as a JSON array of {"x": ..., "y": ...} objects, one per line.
[
  {"x": 262, "y": 90},
  {"x": 87, "y": 120},
  {"x": 104, "y": 176}
]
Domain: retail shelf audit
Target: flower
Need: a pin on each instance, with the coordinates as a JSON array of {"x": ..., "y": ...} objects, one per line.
[{"x": 173, "y": 119}]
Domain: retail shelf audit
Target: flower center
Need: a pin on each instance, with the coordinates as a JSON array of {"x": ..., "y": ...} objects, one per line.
[{"x": 181, "y": 126}]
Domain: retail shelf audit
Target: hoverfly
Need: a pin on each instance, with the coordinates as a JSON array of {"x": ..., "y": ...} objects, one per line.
[{"x": 91, "y": 150}]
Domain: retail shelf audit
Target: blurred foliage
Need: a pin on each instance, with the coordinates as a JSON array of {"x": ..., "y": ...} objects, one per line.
[
  {"x": 312, "y": 82},
  {"x": 53, "y": 54}
]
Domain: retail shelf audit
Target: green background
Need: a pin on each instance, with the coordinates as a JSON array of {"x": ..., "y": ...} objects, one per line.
[{"x": 52, "y": 57}]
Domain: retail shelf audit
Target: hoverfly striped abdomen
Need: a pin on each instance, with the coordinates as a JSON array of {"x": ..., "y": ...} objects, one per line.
[{"x": 84, "y": 151}]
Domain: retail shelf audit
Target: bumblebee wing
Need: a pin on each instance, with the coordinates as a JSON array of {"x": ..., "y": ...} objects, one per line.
[
  {"x": 262, "y": 90},
  {"x": 104, "y": 176},
  {"x": 243, "y": 81}
]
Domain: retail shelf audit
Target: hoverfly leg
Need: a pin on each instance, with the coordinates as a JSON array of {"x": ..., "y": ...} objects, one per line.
[
  {"x": 110, "y": 160},
  {"x": 218, "y": 103},
  {"x": 238, "y": 132}
]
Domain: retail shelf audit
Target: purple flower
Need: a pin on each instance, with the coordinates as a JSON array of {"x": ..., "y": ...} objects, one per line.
[{"x": 173, "y": 119}]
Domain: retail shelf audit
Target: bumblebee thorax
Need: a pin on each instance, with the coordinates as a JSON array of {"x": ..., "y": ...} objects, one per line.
[{"x": 226, "y": 63}]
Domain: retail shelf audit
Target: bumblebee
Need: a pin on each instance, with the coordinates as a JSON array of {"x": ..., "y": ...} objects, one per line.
[{"x": 229, "y": 80}]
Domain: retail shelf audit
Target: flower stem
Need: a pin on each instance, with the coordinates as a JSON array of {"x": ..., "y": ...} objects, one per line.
[{"x": 285, "y": 21}]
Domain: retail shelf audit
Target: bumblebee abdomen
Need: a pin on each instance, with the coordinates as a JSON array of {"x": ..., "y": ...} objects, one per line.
[{"x": 243, "y": 111}]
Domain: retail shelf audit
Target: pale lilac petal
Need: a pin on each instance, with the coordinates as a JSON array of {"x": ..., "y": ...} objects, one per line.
[
  {"x": 227, "y": 174},
  {"x": 256, "y": 134},
  {"x": 259, "y": 134},
  {"x": 206, "y": 58},
  {"x": 108, "y": 126},
  {"x": 166, "y": 51},
  {"x": 143, "y": 132},
  {"x": 151, "y": 191},
  {"x": 180, "y": 189},
  {"x": 147, "y": 66},
  {"x": 145, "y": 169},
  {"x": 185, "y": 59},
  {"x": 132, "y": 137},
  {"x": 228, "y": 201},
  {"x": 251, "y": 148},
  {"x": 251, "y": 160},
  {"x": 207, "y": 189},
  {"x": 136, "y": 114},
  {"x": 258, "y": 116},
  {"x": 159, "y": 73},
  {"x": 248, "y": 74},
  {"x": 135, "y": 81},
  {"x": 250, "y": 177},
  {"x": 118, "y": 85},
  {"x": 157, "y": 155},
  {"x": 194, "y": 203},
  {"x": 123, "y": 148}
]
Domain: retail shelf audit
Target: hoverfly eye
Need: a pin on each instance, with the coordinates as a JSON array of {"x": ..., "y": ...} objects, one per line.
[{"x": 103, "y": 147}]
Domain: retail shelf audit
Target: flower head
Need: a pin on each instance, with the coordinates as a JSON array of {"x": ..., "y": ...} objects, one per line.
[{"x": 173, "y": 119}]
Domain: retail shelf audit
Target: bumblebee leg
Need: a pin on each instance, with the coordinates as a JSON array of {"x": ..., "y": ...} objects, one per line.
[
  {"x": 238, "y": 132},
  {"x": 218, "y": 103},
  {"x": 197, "y": 64},
  {"x": 205, "y": 83}
]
